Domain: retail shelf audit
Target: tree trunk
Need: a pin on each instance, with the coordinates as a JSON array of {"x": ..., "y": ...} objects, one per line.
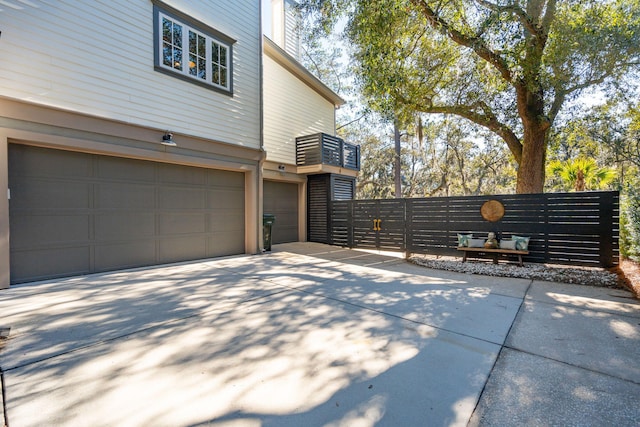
[
  {"x": 398, "y": 162},
  {"x": 580, "y": 184},
  {"x": 530, "y": 178}
]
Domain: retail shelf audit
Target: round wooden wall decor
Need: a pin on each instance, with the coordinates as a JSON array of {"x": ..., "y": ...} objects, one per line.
[{"x": 492, "y": 210}]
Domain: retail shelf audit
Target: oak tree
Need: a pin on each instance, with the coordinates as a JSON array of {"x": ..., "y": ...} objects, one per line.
[{"x": 507, "y": 65}]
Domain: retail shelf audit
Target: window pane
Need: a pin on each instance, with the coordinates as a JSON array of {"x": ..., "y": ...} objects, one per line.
[
  {"x": 177, "y": 35},
  {"x": 223, "y": 76},
  {"x": 167, "y": 54},
  {"x": 166, "y": 30},
  {"x": 193, "y": 47},
  {"x": 223, "y": 56},
  {"x": 214, "y": 51},
  {"x": 216, "y": 74},
  {"x": 202, "y": 49},
  {"x": 177, "y": 59},
  {"x": 193, "y": 64},
  {"x": 202, "y": 68}
]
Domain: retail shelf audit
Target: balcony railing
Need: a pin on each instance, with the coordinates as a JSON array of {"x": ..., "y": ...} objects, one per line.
[{"x": 323, "y": 149}]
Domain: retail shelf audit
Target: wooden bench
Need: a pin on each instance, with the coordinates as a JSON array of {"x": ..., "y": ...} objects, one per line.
[{"x": 495, "y": 253}]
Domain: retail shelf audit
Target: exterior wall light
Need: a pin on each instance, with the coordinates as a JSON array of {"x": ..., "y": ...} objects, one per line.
[{"x": 167, "y": 139}]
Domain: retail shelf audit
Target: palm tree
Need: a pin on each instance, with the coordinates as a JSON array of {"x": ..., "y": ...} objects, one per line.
[{"x": 582, "y": 174}]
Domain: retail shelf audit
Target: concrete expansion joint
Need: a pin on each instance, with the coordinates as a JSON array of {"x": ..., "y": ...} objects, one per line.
[
  {"x": 4, "y": 399},
  {"x": 486, "y": 382},
  {"x": 586, "y": 309},
  {"x": 502, "y": 347},
  {"x": 384, "y": 313},
  {"x": 573, "y": 365},
  {"x": 4, "y": 336}
]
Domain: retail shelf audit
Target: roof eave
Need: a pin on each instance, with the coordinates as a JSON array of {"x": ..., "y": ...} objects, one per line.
[{"x": 276, "y": 53}]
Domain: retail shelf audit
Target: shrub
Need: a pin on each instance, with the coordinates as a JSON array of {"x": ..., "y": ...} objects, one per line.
[{"x": 630, "y": 224}]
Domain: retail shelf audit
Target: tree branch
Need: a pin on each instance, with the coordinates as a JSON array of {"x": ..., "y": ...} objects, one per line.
[
  {"x": 352, "y": 121},
  {"x": 311, "y": 58},
  {"x": 561, "y": 94},
  {"x": 549, "y": 16},
  {"x": 474, "y": 43},
  {"x": 485, "y": 119},
  {"x": 441, "y": 186},
  {"x": 514, "y": 10},
  {"x": 556, "y": 105}
]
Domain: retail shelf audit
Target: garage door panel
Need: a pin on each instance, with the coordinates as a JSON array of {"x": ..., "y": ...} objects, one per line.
[
  {"x": 181, "y": 223},
  {"x": 42, "y": 194},
  {"x": 285, "y": 220},
  {"x": 223, "y": 243},
  {"x": 182, "y": 248},
  {"x": 225, "y": 179},
  {"x": 181, "y": 198},
  {"x": 227, "y": 221},
  {"x": 283, "y": 231},
  {"x": 45, "y": 230},
  {"x": 42, "y": 263},
  {"x": 176, "y": 174},
  {"x": 36, "y": 162},
  {"x": 124, "y": 255},
  {"x": 125, "y": 196},
  {"x": 129, "y": 170},
  {"x": 119, "y": 226},
  {"x": 288, "y": 205},
  {"x": 231, "y": 198}
]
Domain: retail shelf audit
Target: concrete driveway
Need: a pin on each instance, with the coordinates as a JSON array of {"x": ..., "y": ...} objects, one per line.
[{"x": 313, "y": 335}]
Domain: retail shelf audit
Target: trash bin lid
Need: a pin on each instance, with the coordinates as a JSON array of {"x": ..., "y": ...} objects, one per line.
[{"x": 268, "y": 218}]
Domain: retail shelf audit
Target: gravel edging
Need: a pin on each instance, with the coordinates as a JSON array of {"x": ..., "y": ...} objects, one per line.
[{"x": 551, "y": 273}]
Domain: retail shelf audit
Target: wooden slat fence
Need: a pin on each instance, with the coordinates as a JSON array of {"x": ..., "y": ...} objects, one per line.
[{"x": 565, "y": 228}]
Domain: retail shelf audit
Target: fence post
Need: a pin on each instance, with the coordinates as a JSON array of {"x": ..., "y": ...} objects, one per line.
[
  {"x": 350, "y": 224},
  {"x": 546, "y": 227},
  {"x": 330, "y": 215},
  {"x": 408, "y": 229}
]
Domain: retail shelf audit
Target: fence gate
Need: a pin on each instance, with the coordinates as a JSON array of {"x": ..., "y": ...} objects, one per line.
[{"x": 372, "y": 224}]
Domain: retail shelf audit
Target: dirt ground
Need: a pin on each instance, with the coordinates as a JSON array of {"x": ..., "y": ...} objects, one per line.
[{"x": 630, "y": 275}]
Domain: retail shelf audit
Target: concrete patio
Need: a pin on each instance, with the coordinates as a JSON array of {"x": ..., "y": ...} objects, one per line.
[{"x": 314, "y": 335}]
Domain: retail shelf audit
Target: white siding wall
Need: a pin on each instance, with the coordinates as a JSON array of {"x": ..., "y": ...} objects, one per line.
[
  {"x": 96, "y": 57},
  {"x": 291, "y": 109}
]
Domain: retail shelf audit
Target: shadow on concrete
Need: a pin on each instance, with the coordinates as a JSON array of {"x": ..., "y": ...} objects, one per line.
[
  {"x": 289, "y": 358},
  {"x": 243, "y": 341},
  {"x": 310, "y": 335}
]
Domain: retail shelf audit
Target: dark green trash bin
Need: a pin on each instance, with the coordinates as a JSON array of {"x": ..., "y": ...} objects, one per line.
[{"x": 267, "y": 224}]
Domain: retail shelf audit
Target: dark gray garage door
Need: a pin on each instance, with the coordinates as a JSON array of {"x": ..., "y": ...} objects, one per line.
[
  {"x": 281, "y": 199},
  {"x": 74, "y": 213}
]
